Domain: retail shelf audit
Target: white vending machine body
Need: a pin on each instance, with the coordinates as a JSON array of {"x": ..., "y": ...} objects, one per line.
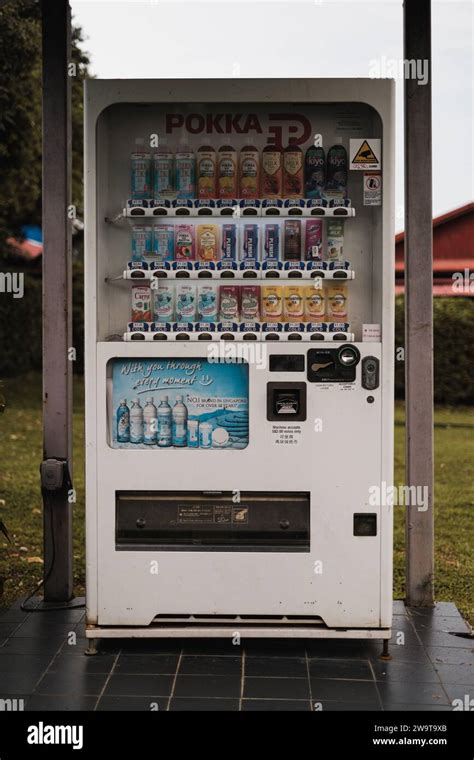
[{"x": 275, "y": 521}]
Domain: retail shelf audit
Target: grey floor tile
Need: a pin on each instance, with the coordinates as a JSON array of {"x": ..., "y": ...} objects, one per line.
[
  {"x": 451, "y": 655},
  {"x": 212, "y": 647},
  {"x": 404, "y": 671},
  {"x": 276, "y": 688},
  {"x": 416, "y": 708},
  {"x": 63, "y": 663},
  {"x": 37, "y": 627},
  {"x": 441, "y": 623},
  {"x": 89, "y": 684},
  {"x": 441, "y": 639},
  {"x": 440, "y": 608},
  {"x": 404, "y": 654},
  {"x": 352, "y": 649},
  {"x": 276, "y": 705},
  {"x": 41, "y": 702},
  {"x": 204, "y": 705},
  {"x": 142, "y": 646},
  {"x": 207, "y": 686},
  {"x": 37, "y": 646},
  {"x": 205, "y": 665},
  {"x": 399, "y": 607},
  {"x": 124, "y": 684},
  {"x": 460, "y": 691},
  {"x": 354, "y": 670},
  {"x": 8, "y": 629},
  {"x": 343, "y": 691},
  {"x": 132, "y": 704},
  {"x": 165, "y": 664},
  {"x": 285, "y": 667},
  {"x": 328, "y": 706},
  {"x": 12, "y": 615},
  {"x": 18, "y": 683},
  {"x": 27, "y": 664},
  {"x": 456, "y": 674},
  {"x": 399, "y": 692},
  {"x": 275, "y": 647}
]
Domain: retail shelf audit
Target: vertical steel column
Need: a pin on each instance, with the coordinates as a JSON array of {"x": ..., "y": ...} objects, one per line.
[
  {"x": 57, "y": 291},
  {"x": 418, "y": 305}
]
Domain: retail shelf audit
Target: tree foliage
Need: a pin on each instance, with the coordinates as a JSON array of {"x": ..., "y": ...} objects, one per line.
[{"x": 20, "y": 117}]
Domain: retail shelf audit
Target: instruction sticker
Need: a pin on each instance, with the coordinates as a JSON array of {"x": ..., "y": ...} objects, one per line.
[
  {"x": 365, "y": 153},
  {"x": 286, "y": 435},
  {"x": 372, "y": 189}
]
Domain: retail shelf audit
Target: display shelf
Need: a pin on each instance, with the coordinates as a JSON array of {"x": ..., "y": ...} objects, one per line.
[
  {"x": 280, "y": 208},
  {"x": 137, "y": 275},
  {"x": 263, "y": 333}
]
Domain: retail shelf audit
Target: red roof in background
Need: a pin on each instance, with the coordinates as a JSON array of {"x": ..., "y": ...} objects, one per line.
[{"x": 453, "y": 251}]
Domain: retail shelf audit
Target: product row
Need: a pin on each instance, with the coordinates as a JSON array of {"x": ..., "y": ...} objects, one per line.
[
  {"x": 247, "y": 246},
  {"x": 168, "y": 426},
  {"x": 226, "y": 173},
  {"x": 187, "y": 302}
]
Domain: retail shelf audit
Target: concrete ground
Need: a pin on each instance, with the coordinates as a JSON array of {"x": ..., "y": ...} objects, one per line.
[{"x": 42, "y": 662}]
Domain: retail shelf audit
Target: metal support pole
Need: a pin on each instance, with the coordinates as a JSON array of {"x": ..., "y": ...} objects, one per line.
[
  {"x": 57, "y": 292},
  {"x": 418, "y": 306}
]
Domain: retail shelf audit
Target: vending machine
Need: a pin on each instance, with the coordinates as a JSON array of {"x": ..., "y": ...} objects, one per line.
[{"x": 239, "y": 318}]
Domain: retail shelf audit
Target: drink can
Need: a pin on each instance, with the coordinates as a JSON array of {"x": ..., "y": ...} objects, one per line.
[
  {"x": 250, "y": 243},
  {"x": 313, "y": 244},
  {"x": 229, "y": 242},
  {"x": 272, "y": 242}
]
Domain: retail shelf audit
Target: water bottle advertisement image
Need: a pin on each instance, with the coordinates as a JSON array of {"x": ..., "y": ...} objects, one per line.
[{"x": 168, "y": 403}]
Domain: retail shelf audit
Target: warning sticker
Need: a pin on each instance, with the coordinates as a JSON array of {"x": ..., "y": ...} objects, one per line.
[
  {"x": 372, "y": 189},
  {"x": 365, "y": 154}
]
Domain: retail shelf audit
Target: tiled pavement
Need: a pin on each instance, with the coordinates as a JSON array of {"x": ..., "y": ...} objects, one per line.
[{"x": 430, "y": 667}]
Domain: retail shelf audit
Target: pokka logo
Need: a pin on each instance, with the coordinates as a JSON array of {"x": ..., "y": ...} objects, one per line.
[{"x": 280, "y": 126}]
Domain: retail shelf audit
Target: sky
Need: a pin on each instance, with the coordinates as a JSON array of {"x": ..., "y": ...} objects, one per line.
[{"x": 298, "y": 38}]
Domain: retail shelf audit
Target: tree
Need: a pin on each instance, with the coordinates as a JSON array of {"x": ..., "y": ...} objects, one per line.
[{"x": 20, "y": 117}]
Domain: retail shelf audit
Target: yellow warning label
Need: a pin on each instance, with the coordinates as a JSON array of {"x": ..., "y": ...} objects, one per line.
[{"x": 365, "y": 155}]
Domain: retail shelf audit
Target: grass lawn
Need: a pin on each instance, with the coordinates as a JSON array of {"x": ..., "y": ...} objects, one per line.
[{"x": 20, "y": 501}]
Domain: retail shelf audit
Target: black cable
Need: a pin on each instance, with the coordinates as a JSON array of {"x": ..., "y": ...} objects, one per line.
[{"x": 65, "y": 605}]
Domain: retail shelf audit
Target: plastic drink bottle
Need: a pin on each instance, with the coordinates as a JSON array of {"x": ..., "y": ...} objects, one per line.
[
  {"x": 136, "y": 422},
  {"x": 123, "y": 422},
  {"x": 163, "y": 416},
  {"x": 249, "y": 171},
  {"x": 163, "y": 171},
  {"x": 272, "y": 172},
  {"x": 227, "y": 172},
  {"x": 206, "y": 170},
  {"x": 149, "y": 422},
  {"x": 185, "y": 170},
  {"x": 292, "y": 170},
  {"x": 140, "y": 164},
  {"x": 179, "y": 423},
  {"x": 314, "y": 172}
]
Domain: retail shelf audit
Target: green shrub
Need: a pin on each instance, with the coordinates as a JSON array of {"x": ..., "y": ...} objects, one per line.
[{"x": 453, "y": 318}]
